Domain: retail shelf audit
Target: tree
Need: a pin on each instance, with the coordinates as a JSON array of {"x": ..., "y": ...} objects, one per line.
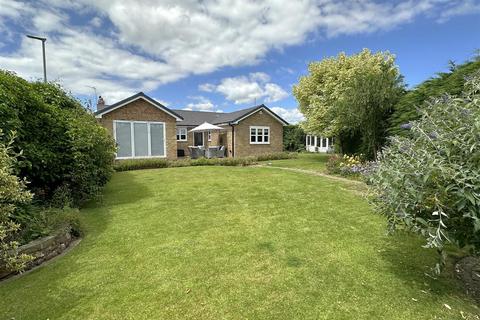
[
  {"x": 408, "y": 107},
  {"x": 293, "y": 138},
  {"x": 350, "y": 94},
  {"x": 429, "y": 181}
]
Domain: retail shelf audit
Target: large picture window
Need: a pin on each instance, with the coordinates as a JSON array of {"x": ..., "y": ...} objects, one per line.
[
  {"x": 181, "y": 134},
  {"x": 259, "y": 135},
  {"x": 139, "y": 139}
]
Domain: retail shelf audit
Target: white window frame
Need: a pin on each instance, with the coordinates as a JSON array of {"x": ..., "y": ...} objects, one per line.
[
  {"x": 256, "y": 134},
  {"x": 179, "y": 134},
  {"x": 132, "y": 138},
  {"x": 209, "y": 136}
]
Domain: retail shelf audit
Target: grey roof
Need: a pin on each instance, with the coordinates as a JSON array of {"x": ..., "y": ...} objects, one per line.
[
  {"x": 195, "y": 118},
  {"x": 142, "y": 95}
]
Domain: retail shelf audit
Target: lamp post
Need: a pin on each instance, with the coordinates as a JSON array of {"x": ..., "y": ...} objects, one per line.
[{"x": 43, "y": 50}]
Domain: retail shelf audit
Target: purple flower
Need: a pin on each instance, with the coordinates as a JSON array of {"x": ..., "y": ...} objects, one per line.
[{"x": 433, "y": 135}]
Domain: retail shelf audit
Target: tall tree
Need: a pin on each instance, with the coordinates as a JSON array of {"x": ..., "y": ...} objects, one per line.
[
  {"x": 408, "y": 107},
  {"x": 350, "y": 94}
]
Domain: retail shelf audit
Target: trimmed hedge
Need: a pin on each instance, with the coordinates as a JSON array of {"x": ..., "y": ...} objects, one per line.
[
  {"x": 65, "y": 154},
  {"x": 138, "y": 164}
]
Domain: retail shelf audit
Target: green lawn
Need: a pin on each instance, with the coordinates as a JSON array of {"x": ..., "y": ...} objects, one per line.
[
  {"x": 234, "y": 243},
  {"x": 306, "y": 161}
]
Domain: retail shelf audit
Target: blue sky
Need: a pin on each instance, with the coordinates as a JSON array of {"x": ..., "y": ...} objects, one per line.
[{"x": 223, "y": 55}]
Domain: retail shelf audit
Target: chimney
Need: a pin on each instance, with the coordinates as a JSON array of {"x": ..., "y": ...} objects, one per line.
[{"x": 100, "y": 103}]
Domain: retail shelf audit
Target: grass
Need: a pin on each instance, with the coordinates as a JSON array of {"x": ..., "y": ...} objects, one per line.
[
  {"x": 306, "y": 161},
  {"x": 234, "y": 243}
]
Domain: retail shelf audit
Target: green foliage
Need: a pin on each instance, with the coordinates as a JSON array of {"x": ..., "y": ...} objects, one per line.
[
  {"x": 407, "y": 108},
  {"x": 350, "y": 93},
  {"x": 13, "y": 194},
  {"x": 430, "y": 182},
  {"x": 293, "y": 138},
  {"x": 63, "y": 146},
  {"x": 137, "y": 164},
  {"x": 333, "y": 164},
  {"x": 37, "y": 222}
]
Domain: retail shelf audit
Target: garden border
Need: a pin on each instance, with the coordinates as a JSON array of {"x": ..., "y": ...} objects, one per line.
[{"x": 43, "y": 250}]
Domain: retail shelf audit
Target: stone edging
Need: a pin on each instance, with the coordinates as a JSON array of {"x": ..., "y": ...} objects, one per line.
[{"x": 42, "y": 250}]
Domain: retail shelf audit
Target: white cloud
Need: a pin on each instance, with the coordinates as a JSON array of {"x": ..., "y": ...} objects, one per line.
[
  {"x": 290, "y": 115},
  {"x": 202, "y": 104},
  {"x": 240, "y": 89},
  {"x": 96, "y": 22},
  {"x": 207, "y": 87},
  {"x": 249, "y": 89},
  {"x": 465, "y": 7},
  {"x": 155, "y": 42},
  {"x": 274, "y": 92},
  {"x": 261, "y": 77}
]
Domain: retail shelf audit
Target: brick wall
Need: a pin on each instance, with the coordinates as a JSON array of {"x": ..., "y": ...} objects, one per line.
[
  {"x": 140, "y": 110},
  {"x": 243, "y": 147}
]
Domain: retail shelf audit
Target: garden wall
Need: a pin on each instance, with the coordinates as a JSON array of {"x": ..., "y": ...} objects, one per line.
[{"x": 42, "y": 249}]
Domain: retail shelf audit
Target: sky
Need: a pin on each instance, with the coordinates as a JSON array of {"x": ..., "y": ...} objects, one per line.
[{"x": 225, "y": 55}]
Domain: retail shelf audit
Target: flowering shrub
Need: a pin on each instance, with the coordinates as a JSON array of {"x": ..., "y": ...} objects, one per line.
[
  {"x": 349, "y": 165},
  {"x": 430, "y": 182}
]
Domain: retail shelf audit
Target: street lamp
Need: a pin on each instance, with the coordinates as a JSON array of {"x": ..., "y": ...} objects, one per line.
[{"x": 44, "y": 60}]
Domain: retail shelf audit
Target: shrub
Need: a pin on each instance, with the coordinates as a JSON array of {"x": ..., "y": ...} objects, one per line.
[
  {"x": 333, "y": 164},
  {"x": 37, "y": 222},
  {"x": 12, "y": 195},
  {"x": 137, "y": 164},
  {"x": 63, "y": 146},
  {"x": 430, "y": 182},
  {"x": 293, "y": 138}
]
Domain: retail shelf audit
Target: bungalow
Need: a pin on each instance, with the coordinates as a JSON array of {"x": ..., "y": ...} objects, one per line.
[{"x": 144, "y": 128}]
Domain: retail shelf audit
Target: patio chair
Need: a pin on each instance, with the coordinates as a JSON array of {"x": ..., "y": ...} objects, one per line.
[
  {"x": 221, "y": 152},
  {"x": 212, "y": 152},
  {"x": 196, "y": 152}
]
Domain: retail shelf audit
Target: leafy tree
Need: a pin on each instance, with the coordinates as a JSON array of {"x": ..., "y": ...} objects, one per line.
[
  {"x": 349, "y": 94},
  {"x": 407, "y": 108},
  {"x": 429, "y": 182},
  {"x": 64, "y": 149},
  {"x": 12, "y": 194},
  {"x": 293, "y": 138}
]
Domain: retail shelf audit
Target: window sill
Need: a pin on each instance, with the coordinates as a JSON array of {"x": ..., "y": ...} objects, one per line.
[{"x": 259, "y": 142}]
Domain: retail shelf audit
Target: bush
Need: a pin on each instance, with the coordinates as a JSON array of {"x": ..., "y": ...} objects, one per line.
[
  {"x": 430, "y": 182},
  {"x": 293, "y": 138},
  {"x": 38, "y": 222},
  {"x": 137, "y": 164},
  {"x": 63, "y": 146},
  {"x": 13, "y": 194},
  {"x": 333, "y": 164}
]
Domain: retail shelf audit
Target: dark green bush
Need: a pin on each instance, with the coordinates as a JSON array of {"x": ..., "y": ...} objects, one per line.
[
  {"x": 137, "y": 164},
  {"x": 293, "y": 138},
  {"x": 408, "y": 107},
  {"x": 63, "y": 146}
]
